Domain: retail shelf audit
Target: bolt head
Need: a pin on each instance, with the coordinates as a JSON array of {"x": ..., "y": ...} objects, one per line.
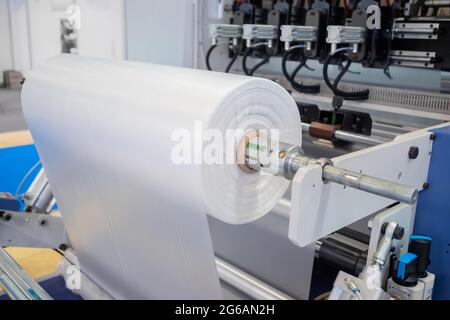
[{"x": 413, "y": 152}]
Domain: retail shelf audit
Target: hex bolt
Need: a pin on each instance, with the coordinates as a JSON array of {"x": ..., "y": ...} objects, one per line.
[
  {"x": 6, "y": 216},
  {"x": 399, "y": 232},
  {"x": 413, "y": 152}
]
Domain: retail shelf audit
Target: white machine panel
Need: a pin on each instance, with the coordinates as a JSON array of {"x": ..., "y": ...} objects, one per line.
[{"x": 319, "y": 208}]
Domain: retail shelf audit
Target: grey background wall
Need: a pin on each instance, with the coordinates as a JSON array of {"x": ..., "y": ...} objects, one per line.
[{"x": 30, "y": 30}]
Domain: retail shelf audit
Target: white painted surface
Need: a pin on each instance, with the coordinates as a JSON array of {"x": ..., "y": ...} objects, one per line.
[
  {"x": 19, "y": 35},
  {"x": 36, "y": 30},
  {"x": 161, "y": 31},
  {"x": 319, "y": 209},
  {"x": 6, "y": 59}
]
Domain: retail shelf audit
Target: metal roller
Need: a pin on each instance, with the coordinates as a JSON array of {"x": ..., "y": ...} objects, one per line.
[
  {"x": 285, "y": 160},
  {"x": 17, "y": 284}
]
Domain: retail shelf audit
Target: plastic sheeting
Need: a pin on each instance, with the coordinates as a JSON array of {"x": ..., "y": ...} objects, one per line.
[{"x": 107, "y": 135}]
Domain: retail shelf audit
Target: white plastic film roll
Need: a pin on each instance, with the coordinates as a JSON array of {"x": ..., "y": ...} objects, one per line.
[{"x": 107, "y": 134}]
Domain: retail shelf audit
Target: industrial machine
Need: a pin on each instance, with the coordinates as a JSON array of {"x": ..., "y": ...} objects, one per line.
[{"x": 350, "y": 227}]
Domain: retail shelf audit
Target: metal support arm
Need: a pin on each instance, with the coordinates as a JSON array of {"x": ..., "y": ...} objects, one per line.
[
  {"x": 285, "y": 160},
  {"x": 23, "y": 229}
]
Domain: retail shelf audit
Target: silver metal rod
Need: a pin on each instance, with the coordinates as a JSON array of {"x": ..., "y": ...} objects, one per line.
[
  {"x": 247, "y": 283},
  {"x": 437, "y": 3},
  {"x": 414, "y": 30},
  {"x": 283, "y": 208},
  {"x": 410, "y": 58},
  {"x": 381, "y": 187},
  {"x": 285, "y": 160},
  {"x": 39, "y": 197},
  {"x": 18, "y": 283},
  {"x": 388, "y": 135},
  {"x": 11, "y": 288},
  {"x": 352, "y": 137},
  {"x": 228, "y": 273}
]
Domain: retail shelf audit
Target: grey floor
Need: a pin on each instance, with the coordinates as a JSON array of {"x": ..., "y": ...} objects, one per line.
[{"x": 11, "y": 117}]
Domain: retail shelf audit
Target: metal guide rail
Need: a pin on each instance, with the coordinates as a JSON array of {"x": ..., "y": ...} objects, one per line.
[{"x": 16, "y": 283}]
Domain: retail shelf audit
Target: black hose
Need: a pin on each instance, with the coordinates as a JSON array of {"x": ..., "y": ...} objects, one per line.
[
  {"x": 208, "y": 54},
  {"x": 341, "y": 73},
  {"x": 358, "y": 95},
  {"x": 297, "y": 69},
  {"x": 232, "y": 61},
  {"x": 373, "y": 51},
  {"x": 244, "y": 61},
  {"x": 230, "y": 64},
  {"x": 290, "y": 77},
  {"x": 259, "y": 64}
]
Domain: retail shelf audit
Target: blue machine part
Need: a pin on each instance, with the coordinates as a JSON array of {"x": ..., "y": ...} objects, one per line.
[
  {"x": 403, "y": 263},
  {"x": 433, "y": 212},
  {"x": 15, "y": 162},
  {"x": 8, "y": 202},
  {"x": 415, "y": 236}
]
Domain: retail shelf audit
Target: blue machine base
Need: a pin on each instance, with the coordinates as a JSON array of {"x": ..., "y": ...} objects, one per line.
[
  {"x": 15, "y": 162},
  {"x": 433, "y": 213}
]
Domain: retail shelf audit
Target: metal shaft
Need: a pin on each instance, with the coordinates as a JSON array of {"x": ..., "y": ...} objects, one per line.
[
  {"x": 352, "y": 137},
  {"x": 285, "y": 160},
  {"x": 381, "y": 187},
  {"x": 17, "y": 284},
  {"x": 247, "y": 283},
  {"x": 437, "y": 3}
]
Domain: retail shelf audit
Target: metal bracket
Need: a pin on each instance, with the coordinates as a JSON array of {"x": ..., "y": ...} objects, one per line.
[
  {"x": 345, "y": 34},
  {"x": 225, "y": 31},
  {"x": 416, "y": 30},
  {"x": 306, "y": 34},
  {"x": 260, "y": 32},
  {"x": 39, "y": 197},
  {"x": 348, "y": 287},
  {"x": 23, "y": 229},
  {"x": 413, "y": 58},
  {"x": 404, "y": 215},
  {"x": 319, "y": 209}
]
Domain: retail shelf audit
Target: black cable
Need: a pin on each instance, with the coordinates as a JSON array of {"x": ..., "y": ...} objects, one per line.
[
  {"x": 341, "y": 66},
  {"x": 358, "y": 95},
  {"x": 373, "y": 51},
  {"x": 59, "y": 252},
  {"x": 244, "y": 60},
  {"x": 341, "y": 73},
  {"x": 259, "y": 64},
  {"x": 297, "y": 69},
  {"x": 232, "y": 61},
  {"x": 296, "y": 85},
  {"x": 230, "y": 64},
  {"x": 208, "y": 54}
]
